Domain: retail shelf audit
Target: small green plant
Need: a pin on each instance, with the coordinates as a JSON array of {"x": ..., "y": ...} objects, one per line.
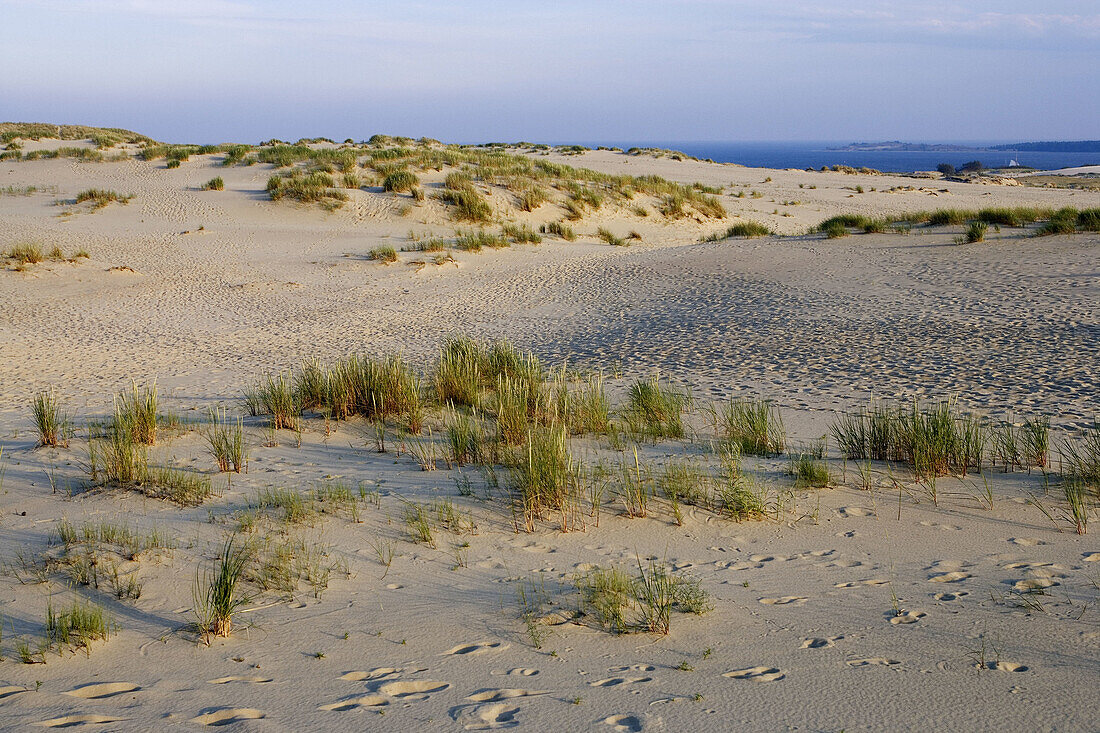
[
  {"x": 656, "y": 409},
  {"x": 808, "y": 466},
  {"x": 418, "y": 524},
  {"x": 521, "y": 234},
  {"x": 136, "y": 413},
  {"x": 225, "y": 438},
  {"x": 76, "y": 626},
  {"x": 611, "y": 238},
  {"x": 100, "y": 197},
  {"x": 26, "y": 254},
  {"x": 748, "y": 229},
  {"x": 754, "y": 426},
  {"x": 214, "y": 184},
  {"x": 383, "y": 253},
  {"x": 216, "y": 594},
  {"x": 52, "y": 423},
  {"x": 400, "y": 181}
]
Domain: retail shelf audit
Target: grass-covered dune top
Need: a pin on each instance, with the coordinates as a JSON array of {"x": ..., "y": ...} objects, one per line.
[
  {"x": 395, "y": 163},
  {"x": 39, "y": 130}
]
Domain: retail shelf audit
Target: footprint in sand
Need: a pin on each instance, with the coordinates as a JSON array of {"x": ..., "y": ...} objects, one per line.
[
  {"x": 873, "y": 662},
  {"x": 517, "y": 672},
  {"x": 73, "y": 721},
  {"x": 491, "y": 563},
  {"x": 844, "y": 564},
  {"x": 853, "y": 511},
  {"x": 937, "y": 525},
  {"x": 669, "y": 700},
  {"x": 370, "y": 702},
  {"x": 1026, "y": 541},
  {"x": 419, "y": 689},
  {"x": 821, "y": 642},
  {"x": 1031, "y": 565},
  {"x": 624, "y": 723},
  {"x": 953, "y": 577},
  {"x": 481, "y": 647},
  {"x": 1091, "y": 557},
  {"x": 536, "y": 547},
  {"x": 492, "y": 716},
  {"x": 9, "y": 690},
  {"x": 634, "y": 668},
  {"x": 617, "y": 681},
  {"x": 756, "y": 674},
  {"x": 952, "y": 595},
  {"x": 239, "y": 678},
  {"x": 906, "y": 617},
  {"x": 1033, "y": 584},
  {"x": 103, "y": 690},
  {"x": 503, "y": 694},
  {"x": 1003, "y": 666},
  {"x": 228, "y": 716},
  {"x": 381, "y": 673},
  {"x": 784, "y": 601}
]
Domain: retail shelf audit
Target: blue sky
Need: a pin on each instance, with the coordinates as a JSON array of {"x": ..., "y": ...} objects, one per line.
[{"x": 245, "y": 70}]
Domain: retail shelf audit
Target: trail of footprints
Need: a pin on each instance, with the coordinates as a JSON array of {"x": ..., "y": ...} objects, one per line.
[{"x": 495, "y": 708}]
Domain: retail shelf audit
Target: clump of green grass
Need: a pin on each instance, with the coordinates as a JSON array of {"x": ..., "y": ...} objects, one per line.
[
  {"x": 465, "y": 438},
  {"x": 294, "y": 506},
  {"x": 747, "y": 229},
  {"x": 935, "y": 439},
  {"x": 656, "y": 408},
  {"x": 101, "y": 197},
  {"x": 531, "y": 198},
  {"x": 383, "y": 253},
  {"x": 1063, "y": 221},
  {"x": 400, "y": 181},
  {"x": 735, "y": 495},
  {"x": 610, "y": 237},
  {"x": 457, "y": 377},
  {"x": 275, "y": 396},
  {"x": 214, "y": 184},
  {"x": 836, "y": 230},
  {"x": 178, "y": 486},
  {"x": 474, "y": 241},
  {"x": 26, "y": 253},
  {"x": 559, "y": 229},
  {"x": 545, "y": 481},
  {"x": 808, "y": 466},
  {"x": 225, "y": 439},
  {"x": 753, "y": 426},
  {"x": 976, "y": 232},
  {"x": 77, "y": 626},
  {"x": 625, "y": 603},
  {"x": 1081, "y": 458},
  {"x": 136, "y": 413},
  {"x": 216, "y": 595},
  {"x": 521, "y": 234},
  {"x": 116, "y": 458},
  {"x": 52, "y": 424},
  {"x": 469, "y": 204},
  {"x": 584, "y": 409},
  {"x": 316, "y": 187}
]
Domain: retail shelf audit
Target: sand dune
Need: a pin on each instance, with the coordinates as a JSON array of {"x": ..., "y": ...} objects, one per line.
[{"x": 902, "y": 605}]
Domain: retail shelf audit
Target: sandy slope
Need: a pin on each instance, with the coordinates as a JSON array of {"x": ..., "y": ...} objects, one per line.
[{"x": 858, "y": 610}]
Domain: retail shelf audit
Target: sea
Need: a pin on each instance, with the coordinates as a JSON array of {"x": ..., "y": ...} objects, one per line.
[{"x": 817, "y": 154}]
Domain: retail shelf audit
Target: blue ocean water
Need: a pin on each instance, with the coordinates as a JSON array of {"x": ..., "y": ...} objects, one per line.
[{"x": 816, "y": 154}]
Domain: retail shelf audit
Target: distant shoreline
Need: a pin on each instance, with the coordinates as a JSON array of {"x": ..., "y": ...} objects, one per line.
[{"x": 1070, "y": 146}]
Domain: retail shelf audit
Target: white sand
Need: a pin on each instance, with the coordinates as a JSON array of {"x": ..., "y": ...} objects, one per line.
[{"x": 855, "y": 610}]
